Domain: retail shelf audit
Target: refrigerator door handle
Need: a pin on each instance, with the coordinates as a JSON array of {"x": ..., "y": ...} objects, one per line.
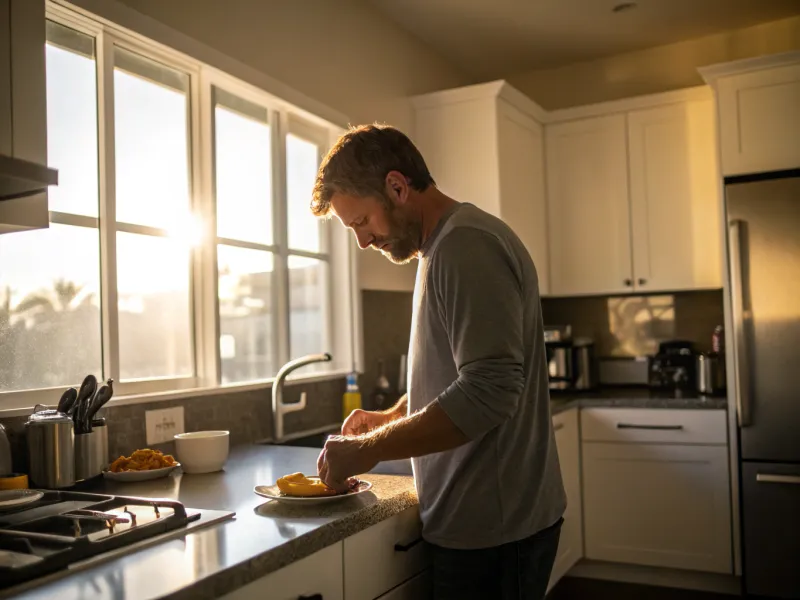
[
  {"x": 741, "y": 354},
  {"x": 770, "y": 478}
]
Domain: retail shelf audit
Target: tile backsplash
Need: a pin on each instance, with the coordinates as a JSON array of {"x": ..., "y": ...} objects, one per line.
[
  {"x": 620, "y": 326},
  {"x": 387, "y": 327},
  {"x": 246, "y": 414},
  {"x": 634, "y": 325}
]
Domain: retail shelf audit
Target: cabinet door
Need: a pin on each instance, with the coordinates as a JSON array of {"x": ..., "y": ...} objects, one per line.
[
  {"x": 317, "y": 575},
  {"x": 459, "y": 144},
  {"x": 570, "y": 544},
  {"x": 760, "y": 120},
  {"x": 658, "y": 505},
  {"x": 522, "y": 197},
  {"x": 416, "y": 588},
  {"x": 384, "y": 555},
  {"x": 675, "y": 197},
  {"x": 588, "y": 209}
]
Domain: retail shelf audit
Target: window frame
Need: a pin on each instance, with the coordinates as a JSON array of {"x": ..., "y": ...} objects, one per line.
[{"x": 342, "y": 316}]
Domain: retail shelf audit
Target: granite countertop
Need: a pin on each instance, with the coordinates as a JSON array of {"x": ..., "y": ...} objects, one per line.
[
  {"x": 632, "y": 397},
  {"x": 264, "y": 536}
]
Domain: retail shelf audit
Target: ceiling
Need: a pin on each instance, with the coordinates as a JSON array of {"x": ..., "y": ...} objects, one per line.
[{"x": 488, "y": 39}]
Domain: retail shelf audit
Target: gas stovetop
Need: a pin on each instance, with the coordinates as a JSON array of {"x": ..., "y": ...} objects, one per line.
[{"x": 65, "y": 527}]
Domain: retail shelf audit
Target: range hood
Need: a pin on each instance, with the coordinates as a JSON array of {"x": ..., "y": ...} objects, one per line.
[{"x": 20, "y": 178}]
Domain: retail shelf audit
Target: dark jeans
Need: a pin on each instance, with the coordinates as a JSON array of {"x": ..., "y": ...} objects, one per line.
[{"x": 515, "y": 571}]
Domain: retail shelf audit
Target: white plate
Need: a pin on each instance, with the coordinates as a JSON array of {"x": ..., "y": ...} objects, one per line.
[
  {"x": 273, "y": 493},
  {"x": 140, "y": 475},
  {"x": 14, "y": 498}
]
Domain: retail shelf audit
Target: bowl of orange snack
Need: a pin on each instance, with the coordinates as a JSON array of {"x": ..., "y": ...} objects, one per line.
[{"x": 141, "y": 465}]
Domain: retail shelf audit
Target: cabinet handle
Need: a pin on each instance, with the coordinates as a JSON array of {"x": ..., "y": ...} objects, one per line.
[
  {"x": 642, "y": 281},
  {"x": 558, "y": 427},
  {"x": 659, "y": 427},
  {"x": 310, "y": 597},
  {"x": 407, "y": 547},
  {"x": 769, "y": 478},
  {"x": 628, "y": 282}
]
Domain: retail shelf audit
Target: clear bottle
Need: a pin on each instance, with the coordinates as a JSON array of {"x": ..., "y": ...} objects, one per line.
[
  {"x": 381, "y": 394},
  {"x": 351, "y": 400}
]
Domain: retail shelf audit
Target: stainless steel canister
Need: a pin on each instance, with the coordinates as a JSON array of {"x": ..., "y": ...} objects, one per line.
[
  {"x": 51, "y": 449},
  {"x": 91, "y": 453}
]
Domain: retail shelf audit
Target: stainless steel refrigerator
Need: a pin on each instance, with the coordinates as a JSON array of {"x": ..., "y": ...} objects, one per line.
[{"x": 763, "y": 214}]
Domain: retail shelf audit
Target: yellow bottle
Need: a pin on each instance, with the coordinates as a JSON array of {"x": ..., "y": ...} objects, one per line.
[{"x": 351, "y": 399}]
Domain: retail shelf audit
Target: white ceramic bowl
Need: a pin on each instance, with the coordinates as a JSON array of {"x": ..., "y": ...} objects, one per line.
[{"x": 202, "y": 451}]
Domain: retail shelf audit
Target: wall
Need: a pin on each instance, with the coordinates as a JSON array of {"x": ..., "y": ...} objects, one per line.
[
  {"x": 387, "y": 328},
  {"x": 634, "y": 325},
  {"x": 344, "y": 54},
  {"x": 653, "y": 70},
  {"x": 247, "y": 415}
]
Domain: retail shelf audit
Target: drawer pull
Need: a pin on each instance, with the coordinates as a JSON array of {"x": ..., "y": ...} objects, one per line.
[
  {"x": 558, "y": 427},
  {"x": 658, "y": 427},
  {"x": 407, "y": 547},
  {"x": 310, "y": 597},
  {"x": 769, "y": 478}
]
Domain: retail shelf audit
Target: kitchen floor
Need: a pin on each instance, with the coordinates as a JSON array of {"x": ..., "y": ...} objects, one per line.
[{"x": 580, "y": 588}]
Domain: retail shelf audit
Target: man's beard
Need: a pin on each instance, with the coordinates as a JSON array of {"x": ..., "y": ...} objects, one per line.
[{"x": 404, "y": 237}]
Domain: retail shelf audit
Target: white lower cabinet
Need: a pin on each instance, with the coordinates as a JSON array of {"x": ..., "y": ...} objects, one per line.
[
  {"x": 318, "y": 576},
  {"x": 657, "y": 504},
  {"x": 419, "y": 587},
  {"x": 570, "y": 544},
  {"x": 383, "y": 556}
]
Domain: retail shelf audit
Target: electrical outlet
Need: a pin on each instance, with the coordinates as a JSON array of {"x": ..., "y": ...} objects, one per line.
[{"x": 162, "y": 424}]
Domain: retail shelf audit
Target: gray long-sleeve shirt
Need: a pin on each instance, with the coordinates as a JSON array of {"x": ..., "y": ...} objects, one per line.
[{"x": 477, "y": 348}]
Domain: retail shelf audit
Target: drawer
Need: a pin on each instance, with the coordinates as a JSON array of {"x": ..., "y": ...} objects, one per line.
[
  {"x": 420, "y": 587},
  {"x": 318, "y": 575},
  {"x": 654, "y": 425},
  {"x": 384, "y": 556}
]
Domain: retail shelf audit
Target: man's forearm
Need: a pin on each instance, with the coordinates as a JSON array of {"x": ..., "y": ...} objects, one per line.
[
  {"x": 425, "y": 432},
  {"x": 399, "y": 410}
]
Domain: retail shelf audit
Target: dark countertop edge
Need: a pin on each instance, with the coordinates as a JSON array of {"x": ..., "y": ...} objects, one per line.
[{"x": 218, "y": 584}]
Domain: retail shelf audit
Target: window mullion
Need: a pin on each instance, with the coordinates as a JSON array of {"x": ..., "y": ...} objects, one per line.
[
  {"x": 280, "y": 291},
  {"x": 108, "y": 213},
  {"x": 206, "y": 287}
]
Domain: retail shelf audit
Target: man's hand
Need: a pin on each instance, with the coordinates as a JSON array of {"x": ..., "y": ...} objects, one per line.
[
  {"x": 362, "y": 421},
  {"x": 341, "y": 458}
]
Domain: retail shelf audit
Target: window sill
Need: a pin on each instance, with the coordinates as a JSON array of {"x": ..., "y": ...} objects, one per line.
[{"x": 26, "y": 400}]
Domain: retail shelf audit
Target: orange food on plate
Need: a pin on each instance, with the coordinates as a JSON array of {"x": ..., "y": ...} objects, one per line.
[
  {"x": 142, "y": 460},
  {"x": 301, "y": 486}
]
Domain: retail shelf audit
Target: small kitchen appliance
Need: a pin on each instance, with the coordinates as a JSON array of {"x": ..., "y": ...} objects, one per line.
[
  {"x": 674, "y": 368},
  {"x": 571, "y": 364}
]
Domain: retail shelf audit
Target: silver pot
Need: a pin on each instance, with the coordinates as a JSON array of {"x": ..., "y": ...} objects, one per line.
[
  {"x": 51, "y": 449},
  {"x": 710, "y": 374}
]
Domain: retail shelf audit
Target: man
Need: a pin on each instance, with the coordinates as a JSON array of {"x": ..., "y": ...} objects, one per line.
[{"x": 476, "y": 420}]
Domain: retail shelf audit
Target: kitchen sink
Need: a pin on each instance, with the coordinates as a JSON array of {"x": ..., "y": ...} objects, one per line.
[{"x": 317, "y": 440}]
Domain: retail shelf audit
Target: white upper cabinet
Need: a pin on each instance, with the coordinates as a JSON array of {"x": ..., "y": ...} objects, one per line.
[
  {"x": 588, "y": 214},
  {"x": 483, "y": 144},
  {"x": 674, "y": 196},
  {"x": 759, "y": 113},
  {"x": 633, "y": 196}
]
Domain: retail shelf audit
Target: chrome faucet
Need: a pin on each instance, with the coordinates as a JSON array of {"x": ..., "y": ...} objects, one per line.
[{"x": 279, "y": 408}]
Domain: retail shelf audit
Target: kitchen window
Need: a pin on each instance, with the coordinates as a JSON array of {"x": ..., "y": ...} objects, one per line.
[
  {"x": 181, "y": 251},
  {"x": 50, "y": 325}
]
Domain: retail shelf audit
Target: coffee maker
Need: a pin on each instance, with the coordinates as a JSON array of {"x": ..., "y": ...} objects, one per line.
[
  {"x": 674, "y": 367},
  {"x": 571, "y": 362}
]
